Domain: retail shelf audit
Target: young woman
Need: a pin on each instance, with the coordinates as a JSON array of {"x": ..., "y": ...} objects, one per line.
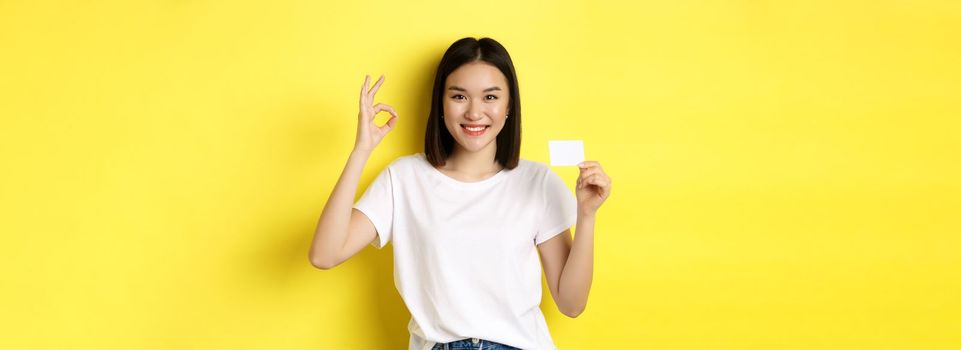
[{"x": 466, "y": 215}]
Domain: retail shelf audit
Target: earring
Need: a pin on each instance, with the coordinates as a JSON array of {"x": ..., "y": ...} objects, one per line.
[{"x": 506, "y": 116}]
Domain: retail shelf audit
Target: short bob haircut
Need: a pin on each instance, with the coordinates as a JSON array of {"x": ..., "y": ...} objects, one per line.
[{"x": 438, "y": 142}]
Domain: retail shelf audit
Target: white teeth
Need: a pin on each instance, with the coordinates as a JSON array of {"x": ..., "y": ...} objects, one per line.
[{"x": 479, "y": 128}]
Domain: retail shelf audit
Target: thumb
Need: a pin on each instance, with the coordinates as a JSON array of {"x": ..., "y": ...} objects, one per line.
[{"x": 390, "y": 124}]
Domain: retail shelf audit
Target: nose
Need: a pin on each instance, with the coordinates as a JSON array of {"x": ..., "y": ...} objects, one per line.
[{"x": 474, "y": 112}]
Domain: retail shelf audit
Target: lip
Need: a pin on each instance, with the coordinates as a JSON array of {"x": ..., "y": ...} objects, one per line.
[{"x": 474, "y": 133}]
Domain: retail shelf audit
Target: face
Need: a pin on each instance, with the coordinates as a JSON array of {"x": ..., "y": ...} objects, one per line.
[{"x": 475, "y": 105}]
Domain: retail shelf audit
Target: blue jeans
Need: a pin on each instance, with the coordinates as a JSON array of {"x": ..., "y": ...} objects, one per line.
[{"x": 473, "y": 344}]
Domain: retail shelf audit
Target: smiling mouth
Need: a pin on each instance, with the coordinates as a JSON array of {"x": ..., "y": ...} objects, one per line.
[{"x": 474, "y": 130}]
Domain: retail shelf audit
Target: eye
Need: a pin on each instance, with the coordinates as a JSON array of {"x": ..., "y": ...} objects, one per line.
[
  {"x": 457, "y": 97},
  {"x": 489, "y": 97}
]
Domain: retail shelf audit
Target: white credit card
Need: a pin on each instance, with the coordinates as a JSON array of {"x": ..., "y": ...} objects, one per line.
[{"x": 566, "y": 152}]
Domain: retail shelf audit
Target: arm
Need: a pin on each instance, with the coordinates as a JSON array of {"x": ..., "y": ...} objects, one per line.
[
  {"x": 339, "y": 223},
  {"x": 341, "y": 230},
  {"x": 569, "y": 266}
]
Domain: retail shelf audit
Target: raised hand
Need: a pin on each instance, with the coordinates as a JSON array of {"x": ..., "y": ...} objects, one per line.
[
  {"x": 369, "y": 134},
  {"x": 593, "y": 188}
]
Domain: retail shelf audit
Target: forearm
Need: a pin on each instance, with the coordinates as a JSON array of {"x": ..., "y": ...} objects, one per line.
[
  {"x": 575, "y": 281},
  {"x": 332, "y": 228}
]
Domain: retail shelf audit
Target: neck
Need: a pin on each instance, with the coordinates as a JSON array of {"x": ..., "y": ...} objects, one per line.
[{"x": 474, "y": 164}]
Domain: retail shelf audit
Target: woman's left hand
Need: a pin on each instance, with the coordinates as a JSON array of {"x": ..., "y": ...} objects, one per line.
[{"x": 593, "y": 187}]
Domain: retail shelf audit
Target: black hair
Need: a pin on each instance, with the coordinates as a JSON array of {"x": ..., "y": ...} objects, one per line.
[{"x": 438, "y": 142}]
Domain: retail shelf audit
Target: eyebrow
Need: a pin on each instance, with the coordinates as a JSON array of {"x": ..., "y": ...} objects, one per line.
[{"x": 458, "y": 88}]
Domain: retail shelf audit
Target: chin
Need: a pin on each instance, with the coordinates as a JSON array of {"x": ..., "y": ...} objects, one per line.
[{"x": 474, "y": 146}]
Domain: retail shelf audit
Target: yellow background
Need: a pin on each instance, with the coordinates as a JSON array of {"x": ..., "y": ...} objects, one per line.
[{"x": 786, "y": 174}]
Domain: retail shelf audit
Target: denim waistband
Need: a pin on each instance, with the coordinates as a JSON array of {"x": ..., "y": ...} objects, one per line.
[{"x": 473, "y": 344}]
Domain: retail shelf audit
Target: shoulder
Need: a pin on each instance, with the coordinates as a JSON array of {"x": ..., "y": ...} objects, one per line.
[
  {"x": 540, "y": 180},
  {"x": 531, "y": 165},
  {"x": 411, "y": 162},
  {"x": 533, "y": 170}
]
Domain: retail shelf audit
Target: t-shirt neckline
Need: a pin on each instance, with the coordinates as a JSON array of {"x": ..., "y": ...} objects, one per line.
[{"x": 457, "y": 183}]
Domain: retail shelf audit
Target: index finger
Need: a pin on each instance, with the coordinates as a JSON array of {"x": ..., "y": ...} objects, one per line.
[
  {"x": 374, "y": 89},
  {"x": 589, "y": 164},
  {"x": 363, "y": 87}
]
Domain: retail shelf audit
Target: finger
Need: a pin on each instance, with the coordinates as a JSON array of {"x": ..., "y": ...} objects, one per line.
[
  {"x": 597, "y": 180},
  {"x": 585, "y": 172},
  {"x": 376, "y": 87},
  {"x": 590, "y": 180},
  {"x": 380, "y": 107},
  {"x": 590, "y": 165},
  {"x": 584, "y": 180},
  {"x": 602, "y": 191},
  {"x": 363, "y": 88},
  {"x": 390, "y": 124}
]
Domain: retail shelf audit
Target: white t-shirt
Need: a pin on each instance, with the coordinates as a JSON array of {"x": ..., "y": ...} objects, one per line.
[{"x": 465, "y": 260}]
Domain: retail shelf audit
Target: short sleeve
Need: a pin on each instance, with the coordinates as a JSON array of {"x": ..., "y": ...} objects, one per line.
[
  {"x": 377, "y": 203},
  {"x": 560, "y": 208}
]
